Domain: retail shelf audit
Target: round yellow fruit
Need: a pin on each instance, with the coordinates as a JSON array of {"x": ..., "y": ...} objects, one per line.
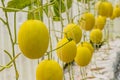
[
  {"x": 83, "y": 56},
  {"x": 105, "y": 8},
  {"x": 88, "y": 45},
  {"x": 96, "y": 36},
  {"x": 113, "y": 16},
  {"x": 67, "y": 52},
  {"x": 73, "y": 31},
  {"x": 33, "y": 39},
  {"x": 49, "y": 70},
  {"x": 100, "y": 22},
  {"x": 116, "y": 11},
  {"x": 87, "y": 21}
]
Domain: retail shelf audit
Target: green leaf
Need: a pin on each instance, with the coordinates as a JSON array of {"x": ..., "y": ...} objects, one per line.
[
  {"x": 55, "y": 18},
  {"x": 18, "y": 4},
  {"x": 34, "y": 15},
  {"x": 63, "y": 5},
  {"x": 57, "y": 9},
  {"x": 69, "y": 3}
]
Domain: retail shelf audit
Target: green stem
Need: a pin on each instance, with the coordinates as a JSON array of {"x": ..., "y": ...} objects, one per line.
[
  {"x": 50, "y": 53},
  {"x": 61, "y": 19},
  {"x": 89, "y": 6},
  {"x": 67, "y": 12},
  {"x": 50, "y": 38},
  {"x": 72, "y": 73},
  {"x": 3, "y": 20},
  {"x": 17, "y": 74},
  {"x": 8, "y": 27},
  {"x": 1, "y": 69},
  {"x": 58, "y": 47},
  {"x": 8, "y": 54},
  {"x": 5, "y": 66},
  {"x": 53, "y": 26},
  {"x": 15, "y": 9},
  {"x": 63, "y": 70},
  {"x": 40, "y": 3},
  {"x": 15, "y": 34},
  {"x": 10, "y": 34},
  {"x": 44, "y": 6}
]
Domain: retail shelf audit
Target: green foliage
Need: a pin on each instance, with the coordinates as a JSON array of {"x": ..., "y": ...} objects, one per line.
[
  {"x": 18, "y": 4},
  {"x": 34, "y": 15},
  {"x": 60, "y": 6},
  {"x": 45, "y": 9}
]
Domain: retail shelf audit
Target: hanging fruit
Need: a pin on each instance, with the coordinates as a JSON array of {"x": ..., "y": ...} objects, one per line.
[
  {"x": 88, "y": 45},
  {"x": 49, "y": 70},
  {"x": 67, "y": 52},
  {"x": 33, "y": 39},
  {"x": 116, "y": 12},
  {"x": 96, "y": 36},
  {"x": 105, "y": 8},
  {"x": 83, "y": 56},
  {"x": 100, "y": 22},
  {"x": 87, "y": 21},
  {"x": 73, "y": 31}
]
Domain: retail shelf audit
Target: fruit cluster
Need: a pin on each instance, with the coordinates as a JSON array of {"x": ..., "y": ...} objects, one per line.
[{"x": 33, "y": 40}]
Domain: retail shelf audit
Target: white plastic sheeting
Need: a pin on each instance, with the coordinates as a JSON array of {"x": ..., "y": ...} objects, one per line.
[{"x": 106, "y": 59}]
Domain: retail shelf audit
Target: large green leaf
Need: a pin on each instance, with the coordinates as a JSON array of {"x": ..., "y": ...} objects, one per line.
[{"x": 18, "y": 4}]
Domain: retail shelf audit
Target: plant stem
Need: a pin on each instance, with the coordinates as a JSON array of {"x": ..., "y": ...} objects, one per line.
[
  {"x": 72, "y": 73},
  {"x": 60, "y": 11},
  {"x": 5, "y": 66},
  {"x": 69, "y": 71},
  {"x": 15, "y": 34},
  {"x": 15, "y": 9},
  {"x": 49, "y": 26},
  {"x": 67, "y": 12},
  {"x": 40, "y": 3},
  {"x": 44, "y": 6},
  {"x": 3, "y": 20},
  {"x": 10, "y": 34},
  {"x": 1, "y": 69},
  {"x": 8, "y": 54},
  {"x": 58, "y": 47}
]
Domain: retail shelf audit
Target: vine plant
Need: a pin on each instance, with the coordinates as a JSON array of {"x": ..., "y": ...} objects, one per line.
[{"x": 35, "y": 10}]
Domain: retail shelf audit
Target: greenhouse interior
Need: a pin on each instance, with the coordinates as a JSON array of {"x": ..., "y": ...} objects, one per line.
[{"x": 59, "y": 40}]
